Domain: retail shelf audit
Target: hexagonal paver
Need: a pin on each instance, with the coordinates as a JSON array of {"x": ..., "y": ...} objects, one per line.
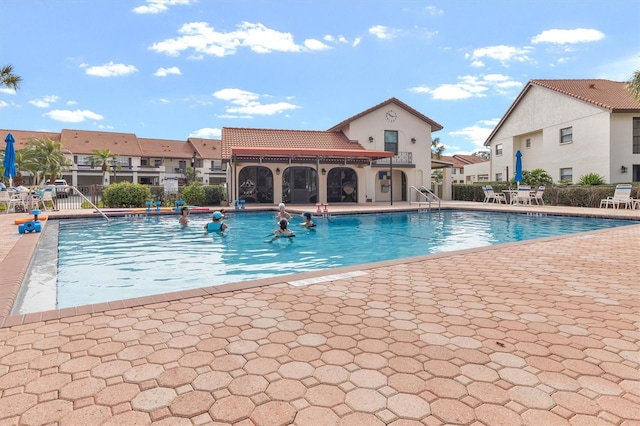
[
  {"x": 274, "y": 413},
  {"x": 410, "y": 406},
  {"x": 117, "y": 394},
  {"x": 81, "y": 388},
  {"x": 365, "y": 400},
  {"x": 325, "y": 396},
  {"x": 191, "y": 404},
  {"x": 286, "y": 390},
  {"x": 248, "y": 385},
  {"x": 212, "y": 381}
]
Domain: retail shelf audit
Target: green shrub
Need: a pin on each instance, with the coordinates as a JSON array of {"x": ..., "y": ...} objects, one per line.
[
  {"x": 214, "y": 194},
  {"x": 126, "y": 194},
  {"x": 537, "y": 177},
  {"x": 193, "y": 194},
  {"x": 591, "y": 179},
  {"x": 86, "y": 205}
]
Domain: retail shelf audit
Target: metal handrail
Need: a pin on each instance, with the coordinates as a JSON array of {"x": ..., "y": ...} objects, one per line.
[
  {"x": 427, "y": 194},
  {"x": 90, "y": 202}
]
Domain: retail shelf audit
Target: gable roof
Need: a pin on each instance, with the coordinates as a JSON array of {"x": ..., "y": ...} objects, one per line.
[
  {"x": 610, "y": 95},
  {"x": 84, "y": 141},
  {"x": 461, "y": 160},
  {"x": 22, "y": 137},
  {"x": 166, "y": 148},
  {"x": 236, "y": 137},
  {"x": 207, "y": 148},
  {"x": 434, "y": 126}
]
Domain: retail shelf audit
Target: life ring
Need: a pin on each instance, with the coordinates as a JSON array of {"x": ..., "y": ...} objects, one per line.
[{"x": 27, "y": 219}]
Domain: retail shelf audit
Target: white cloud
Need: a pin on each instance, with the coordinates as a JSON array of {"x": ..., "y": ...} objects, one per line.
[
  {"x": 203, "y": 39},
  {"x": 109, "y": 70},
  {"x": 579, "y": 35},
  {"x": 433, "y": 11},
  {"x": 356, "y": 41},
  {"x": 471, "y": 87},
  {"x": 248, "y": 103},
  {"x": 7, "y": 91},
  {"x": 478, "y": 133},
  {"x": 382, "y": 32},
  {"x": 76, "y": 116},
  {"x": 207, "y": 133},
  {"x": 3, "y": 104},
  {"x": 163, "y": 72},
  {"x": 164, "y": 101},
  {"x": 105, "y": 127},
  {"x": 158, "y": 6},
  {"x": 71, "y": 103},
  {"x": 44, "y": 102},
  {"x": 502, "y": 53},
  {"x": 313, "y": 44}
]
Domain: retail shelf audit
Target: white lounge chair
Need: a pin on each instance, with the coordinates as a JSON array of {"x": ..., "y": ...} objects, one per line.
[
  {"x": 6, "y": 200},
  {"x": 622, "y": 195},
  {"x": 523, "y": 196},
  {"x": 537, "y": 196},
  {"x": 495, "y": 197}
]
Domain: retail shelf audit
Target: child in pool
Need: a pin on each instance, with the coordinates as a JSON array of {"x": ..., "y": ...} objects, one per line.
[{"x": 184, "y": 216}]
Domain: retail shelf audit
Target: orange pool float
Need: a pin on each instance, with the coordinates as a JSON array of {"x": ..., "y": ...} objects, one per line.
[{"x": 27, "y": 219}]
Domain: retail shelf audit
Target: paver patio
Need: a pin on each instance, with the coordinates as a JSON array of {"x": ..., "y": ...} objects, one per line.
[{"x": 539, "y": 333}]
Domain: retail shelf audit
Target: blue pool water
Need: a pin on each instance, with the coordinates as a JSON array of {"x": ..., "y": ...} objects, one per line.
[{"x": 138, "y": 256}]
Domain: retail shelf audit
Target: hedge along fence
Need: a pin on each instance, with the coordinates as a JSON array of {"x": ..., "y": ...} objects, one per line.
[
  {"x": 558, "y": 195},
  {"x": 213, "y": 195}
]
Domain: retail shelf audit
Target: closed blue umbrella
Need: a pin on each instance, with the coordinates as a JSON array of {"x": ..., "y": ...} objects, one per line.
[
  {"x": 9, "y": 162},
  {"x": 518, "y": 175}
]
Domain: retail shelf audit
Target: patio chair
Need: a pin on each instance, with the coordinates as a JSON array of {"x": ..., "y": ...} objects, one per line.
[
  {"x": 42, "y": 197},
  {"x": 495, "y": 197},
  {"x": 5, "y": 199},
  {"x": 537, "y": 196},
  {"x": 622, "y": 195},
  {"x": 523, "y": 196},
  {"x": 18, "y": 199}
]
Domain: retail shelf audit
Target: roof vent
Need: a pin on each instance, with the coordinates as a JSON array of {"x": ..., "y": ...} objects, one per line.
[{"x": 592, "y": 86}]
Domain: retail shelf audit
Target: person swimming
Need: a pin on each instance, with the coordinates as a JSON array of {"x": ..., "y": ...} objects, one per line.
[
  {"x": 216, "y": 224},
  {"x": 283, "y": 231}
]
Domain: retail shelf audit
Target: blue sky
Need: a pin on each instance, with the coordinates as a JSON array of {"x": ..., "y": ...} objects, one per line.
[{"x": 171, "y": 69}]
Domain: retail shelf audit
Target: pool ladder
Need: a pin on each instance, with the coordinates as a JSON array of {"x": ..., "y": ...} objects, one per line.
[
  {"x": 424, "y": 195},
  {"x": 76, "y": 191}
]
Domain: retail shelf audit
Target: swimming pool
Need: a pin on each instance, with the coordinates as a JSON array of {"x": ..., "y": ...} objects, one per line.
[{"x": 143, "y": 255}]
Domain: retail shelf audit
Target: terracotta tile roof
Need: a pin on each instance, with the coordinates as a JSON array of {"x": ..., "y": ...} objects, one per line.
[
  {"x": 166, "y": 148},
  {"x": 291, "y": 139},
  {"x": 607, "y": 94},
  {"x": 612, "y": 95},
  {"x": 469, "y": 159},
  {"x": 23, "y": 136},
  {"x": 207, "y": 148},
  {"x": 434, "y": 126},
  {"x": 84, "y": 141}
]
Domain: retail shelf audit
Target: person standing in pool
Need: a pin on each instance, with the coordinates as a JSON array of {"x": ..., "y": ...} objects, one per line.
[
  {"x": 184, "y": 216},
  {"x": 308, "y": 223},
  {"x": 282, "y": 213},
  {"x": 216, "y": 224}
]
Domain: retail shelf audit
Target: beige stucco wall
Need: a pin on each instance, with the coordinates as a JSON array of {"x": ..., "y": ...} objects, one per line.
[
  {"x": 539, "y": 116},
  {"x": 408, "y": 126}
]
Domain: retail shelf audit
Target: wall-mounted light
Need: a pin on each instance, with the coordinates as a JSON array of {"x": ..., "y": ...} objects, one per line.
[
  {"x": 324, "y": 171},
  {"x": 371, "y": 139},
  {"x": 277, "y": 170},
  {"x": 413, "y": 140},
  {"x": 623, "y": 169}
]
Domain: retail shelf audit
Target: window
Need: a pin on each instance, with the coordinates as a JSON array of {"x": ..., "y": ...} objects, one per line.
[
  {"x": 144, "y": 162},
  {"x": 499, "y": 149},
  {"x": 636, "y": 135},
  {"x": 566, "y": 174},
  {"x": 461, "y": 170},
  {"x": 498, "y": 177},
  {"x": 453, "y": 171},
  {"x": 566, "y": 135},
  {"x": 157, "y": 163},
  {"x": 391, "y": 141},
  {"x": 527, "y": 143}
]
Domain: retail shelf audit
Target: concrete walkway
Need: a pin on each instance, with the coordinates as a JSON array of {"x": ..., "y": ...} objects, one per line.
[{"x": 538, "y": 333}]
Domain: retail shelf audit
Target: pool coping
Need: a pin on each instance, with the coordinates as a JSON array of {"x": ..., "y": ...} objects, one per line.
[{"x": 21, "y": 255}]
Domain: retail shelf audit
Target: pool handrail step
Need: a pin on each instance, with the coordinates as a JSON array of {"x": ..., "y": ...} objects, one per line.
[{"x": 424, "y": 195}]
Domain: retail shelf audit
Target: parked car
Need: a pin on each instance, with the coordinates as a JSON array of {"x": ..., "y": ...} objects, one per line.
[{"x": 63, "y": 190}]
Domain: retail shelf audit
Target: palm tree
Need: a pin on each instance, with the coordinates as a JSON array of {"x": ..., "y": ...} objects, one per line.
[
  {"x": 634, "y": 85},
  {"x": 436, "y": 148},
  {"x": 8, "y": 78},
  {"x": 45, "y": 157},
  {"x": 101, "y": 158}
]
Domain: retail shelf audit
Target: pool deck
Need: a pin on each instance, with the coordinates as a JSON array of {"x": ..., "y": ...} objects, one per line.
[{"x": 543, "y": 332}]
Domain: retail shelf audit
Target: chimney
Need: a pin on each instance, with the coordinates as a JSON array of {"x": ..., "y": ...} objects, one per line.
[{"x": 592, "y": 85}]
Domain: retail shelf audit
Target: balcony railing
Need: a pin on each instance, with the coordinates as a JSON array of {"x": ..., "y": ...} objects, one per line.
[{"x": 405, "y": 157}]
